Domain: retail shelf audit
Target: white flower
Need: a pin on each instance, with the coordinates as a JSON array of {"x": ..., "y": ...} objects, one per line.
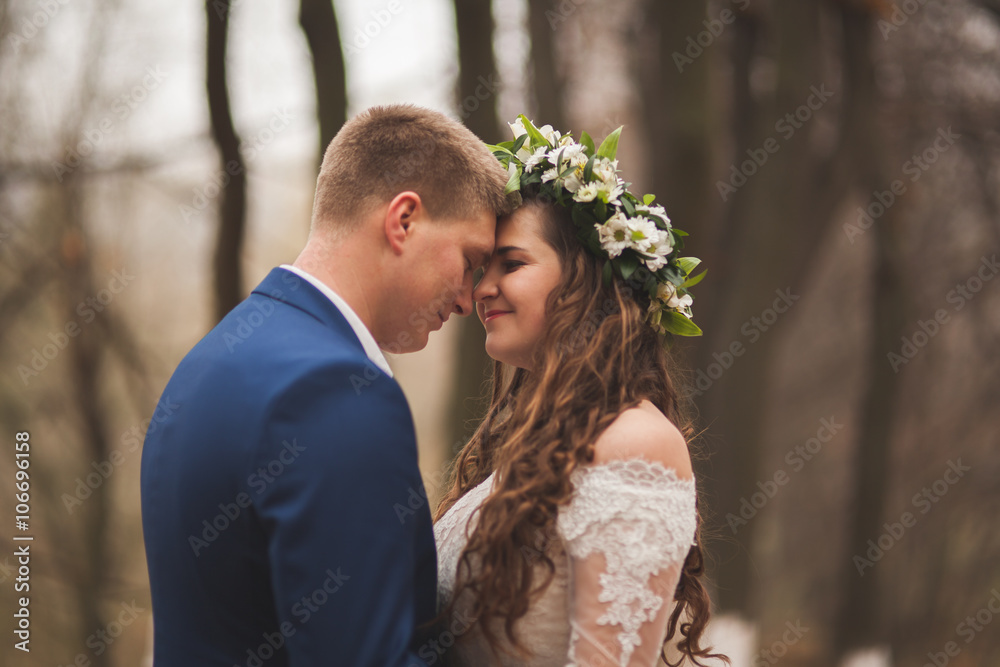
[
  {"x": 606, "y": 170},
  {"x": 571, "y": 159},
  {"x": 552, "y": 136},
  {"x": 656, "y": 210},
  {"x": 586, "y": 193},
  {"x": 643, "y": 234},
  {"x": 536, "y": 158},
  {"x": 614, "y": 234},
  {"x": 571, "y": 155},
  {"x": 667, "y": 293},
  {"x": 609, "y": 192},
  {"x": 655, "y": 262},
  {"x": 573, "y": 181},
  {"x": 517, "y": 127},
  {"x": 682, "y": 305}
]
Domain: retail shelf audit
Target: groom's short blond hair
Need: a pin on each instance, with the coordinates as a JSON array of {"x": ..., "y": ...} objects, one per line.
[{"x": 386, "y": 150}]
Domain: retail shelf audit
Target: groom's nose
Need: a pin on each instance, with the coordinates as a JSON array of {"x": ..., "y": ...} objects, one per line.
[{"x": 463, "y": 301}]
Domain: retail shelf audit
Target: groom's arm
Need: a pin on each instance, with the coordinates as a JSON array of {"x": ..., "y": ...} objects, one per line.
[{"x": 343, "y": 557}]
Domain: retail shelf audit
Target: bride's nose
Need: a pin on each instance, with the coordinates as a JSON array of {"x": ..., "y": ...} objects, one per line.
[{"x": 486, "y": 288}]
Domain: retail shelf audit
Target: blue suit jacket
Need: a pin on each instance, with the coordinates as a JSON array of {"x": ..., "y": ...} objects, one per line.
[{"x": 283, "y": 512}]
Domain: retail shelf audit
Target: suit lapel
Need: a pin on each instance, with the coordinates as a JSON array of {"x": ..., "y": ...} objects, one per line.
[{"x": 287, "y": 287}]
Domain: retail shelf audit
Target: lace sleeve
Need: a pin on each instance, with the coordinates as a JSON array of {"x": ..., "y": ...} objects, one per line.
[{"x": 627, "y": 531}]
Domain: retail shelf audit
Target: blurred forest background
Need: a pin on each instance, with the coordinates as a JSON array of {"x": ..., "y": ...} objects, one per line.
[{"x": 836, "y": 162}]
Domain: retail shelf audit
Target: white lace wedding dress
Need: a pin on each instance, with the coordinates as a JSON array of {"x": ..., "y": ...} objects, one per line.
[{"x": 618, "y": 551}]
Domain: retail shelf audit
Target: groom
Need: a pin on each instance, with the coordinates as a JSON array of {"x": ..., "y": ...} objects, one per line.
[{"x": 270, "y": 495}]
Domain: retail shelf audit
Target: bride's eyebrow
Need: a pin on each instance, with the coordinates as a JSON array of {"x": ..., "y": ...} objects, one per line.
[{"x": 509, "y": 248}]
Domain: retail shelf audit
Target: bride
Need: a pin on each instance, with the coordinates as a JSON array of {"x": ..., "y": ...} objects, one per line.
[{"x": 571, "y": 526}]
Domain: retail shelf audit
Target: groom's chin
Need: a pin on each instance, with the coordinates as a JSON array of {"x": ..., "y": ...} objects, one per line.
[{"x": 406, "y": 342}]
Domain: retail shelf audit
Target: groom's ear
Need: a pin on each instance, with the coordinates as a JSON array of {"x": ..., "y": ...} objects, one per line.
[{"x": 403, "y": 211}]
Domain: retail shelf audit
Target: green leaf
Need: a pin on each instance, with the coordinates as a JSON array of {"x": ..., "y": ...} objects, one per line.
[
  {"x": 679, "y": 232},
  {"x": 691, "y": 282},
  {"x": 519, "y": 143},
  {"x": 679, "y": 324},
  {"x": 499, "y": 148},
  {"x": 513, "y": 182},
  {"x": 582, "y": 216},
  {"x": 627, "y": 265},
  {"x": 629, "y": 208},
  {"x": 532, "y": 177},
  {"x": 609, "y": 147},
  {"x": 601, "y": 209},
  {"x": 648, "y": 199},
  {"x": 588, "y": 171},
  {"x": 687, "y": 264},
  {"x": 588, "y": 143},
  {"x": 606, "y": 273},
  {"x": 536, "y": 137}
]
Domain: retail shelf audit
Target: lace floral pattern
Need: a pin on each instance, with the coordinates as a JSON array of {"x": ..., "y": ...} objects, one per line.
[
  {"x": 641, "y": 516},
  {"x": 460, "y": 516}
]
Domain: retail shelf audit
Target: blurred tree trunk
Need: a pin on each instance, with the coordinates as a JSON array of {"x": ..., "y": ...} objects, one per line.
[
  {"x": 477, "y": 90},
  {"x": 85, "y": 384},
  {"x": 759, "y": 241},
  {"x": 232, "y": 209},
  {"x": 548, "y": 83},
  {"x": 859, "y": 622},
  {"x": 319, "y": 23}
]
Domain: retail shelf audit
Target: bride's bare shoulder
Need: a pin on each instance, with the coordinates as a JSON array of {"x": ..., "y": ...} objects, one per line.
[{"x": 644, "y": 432}]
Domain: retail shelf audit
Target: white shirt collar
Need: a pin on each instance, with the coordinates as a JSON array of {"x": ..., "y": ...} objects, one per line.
[{"x": 360, "y": 330}]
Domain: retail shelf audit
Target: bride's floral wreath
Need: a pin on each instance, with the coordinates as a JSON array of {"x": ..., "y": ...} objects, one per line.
[{"x": 611, "y": 222}]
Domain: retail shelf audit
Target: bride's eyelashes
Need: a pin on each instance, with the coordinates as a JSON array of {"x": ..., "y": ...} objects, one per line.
[{"x": 511, "y": 265}]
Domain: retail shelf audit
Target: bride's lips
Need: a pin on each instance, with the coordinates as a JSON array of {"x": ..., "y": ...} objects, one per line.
[{"x": 493, "y": 314}]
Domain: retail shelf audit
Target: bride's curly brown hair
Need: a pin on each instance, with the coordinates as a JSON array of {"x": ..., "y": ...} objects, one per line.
[{"x": 596, "y": 358}]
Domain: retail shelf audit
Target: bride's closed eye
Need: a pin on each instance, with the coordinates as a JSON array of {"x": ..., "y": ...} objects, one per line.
[{"x": 512, "y": 264}]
